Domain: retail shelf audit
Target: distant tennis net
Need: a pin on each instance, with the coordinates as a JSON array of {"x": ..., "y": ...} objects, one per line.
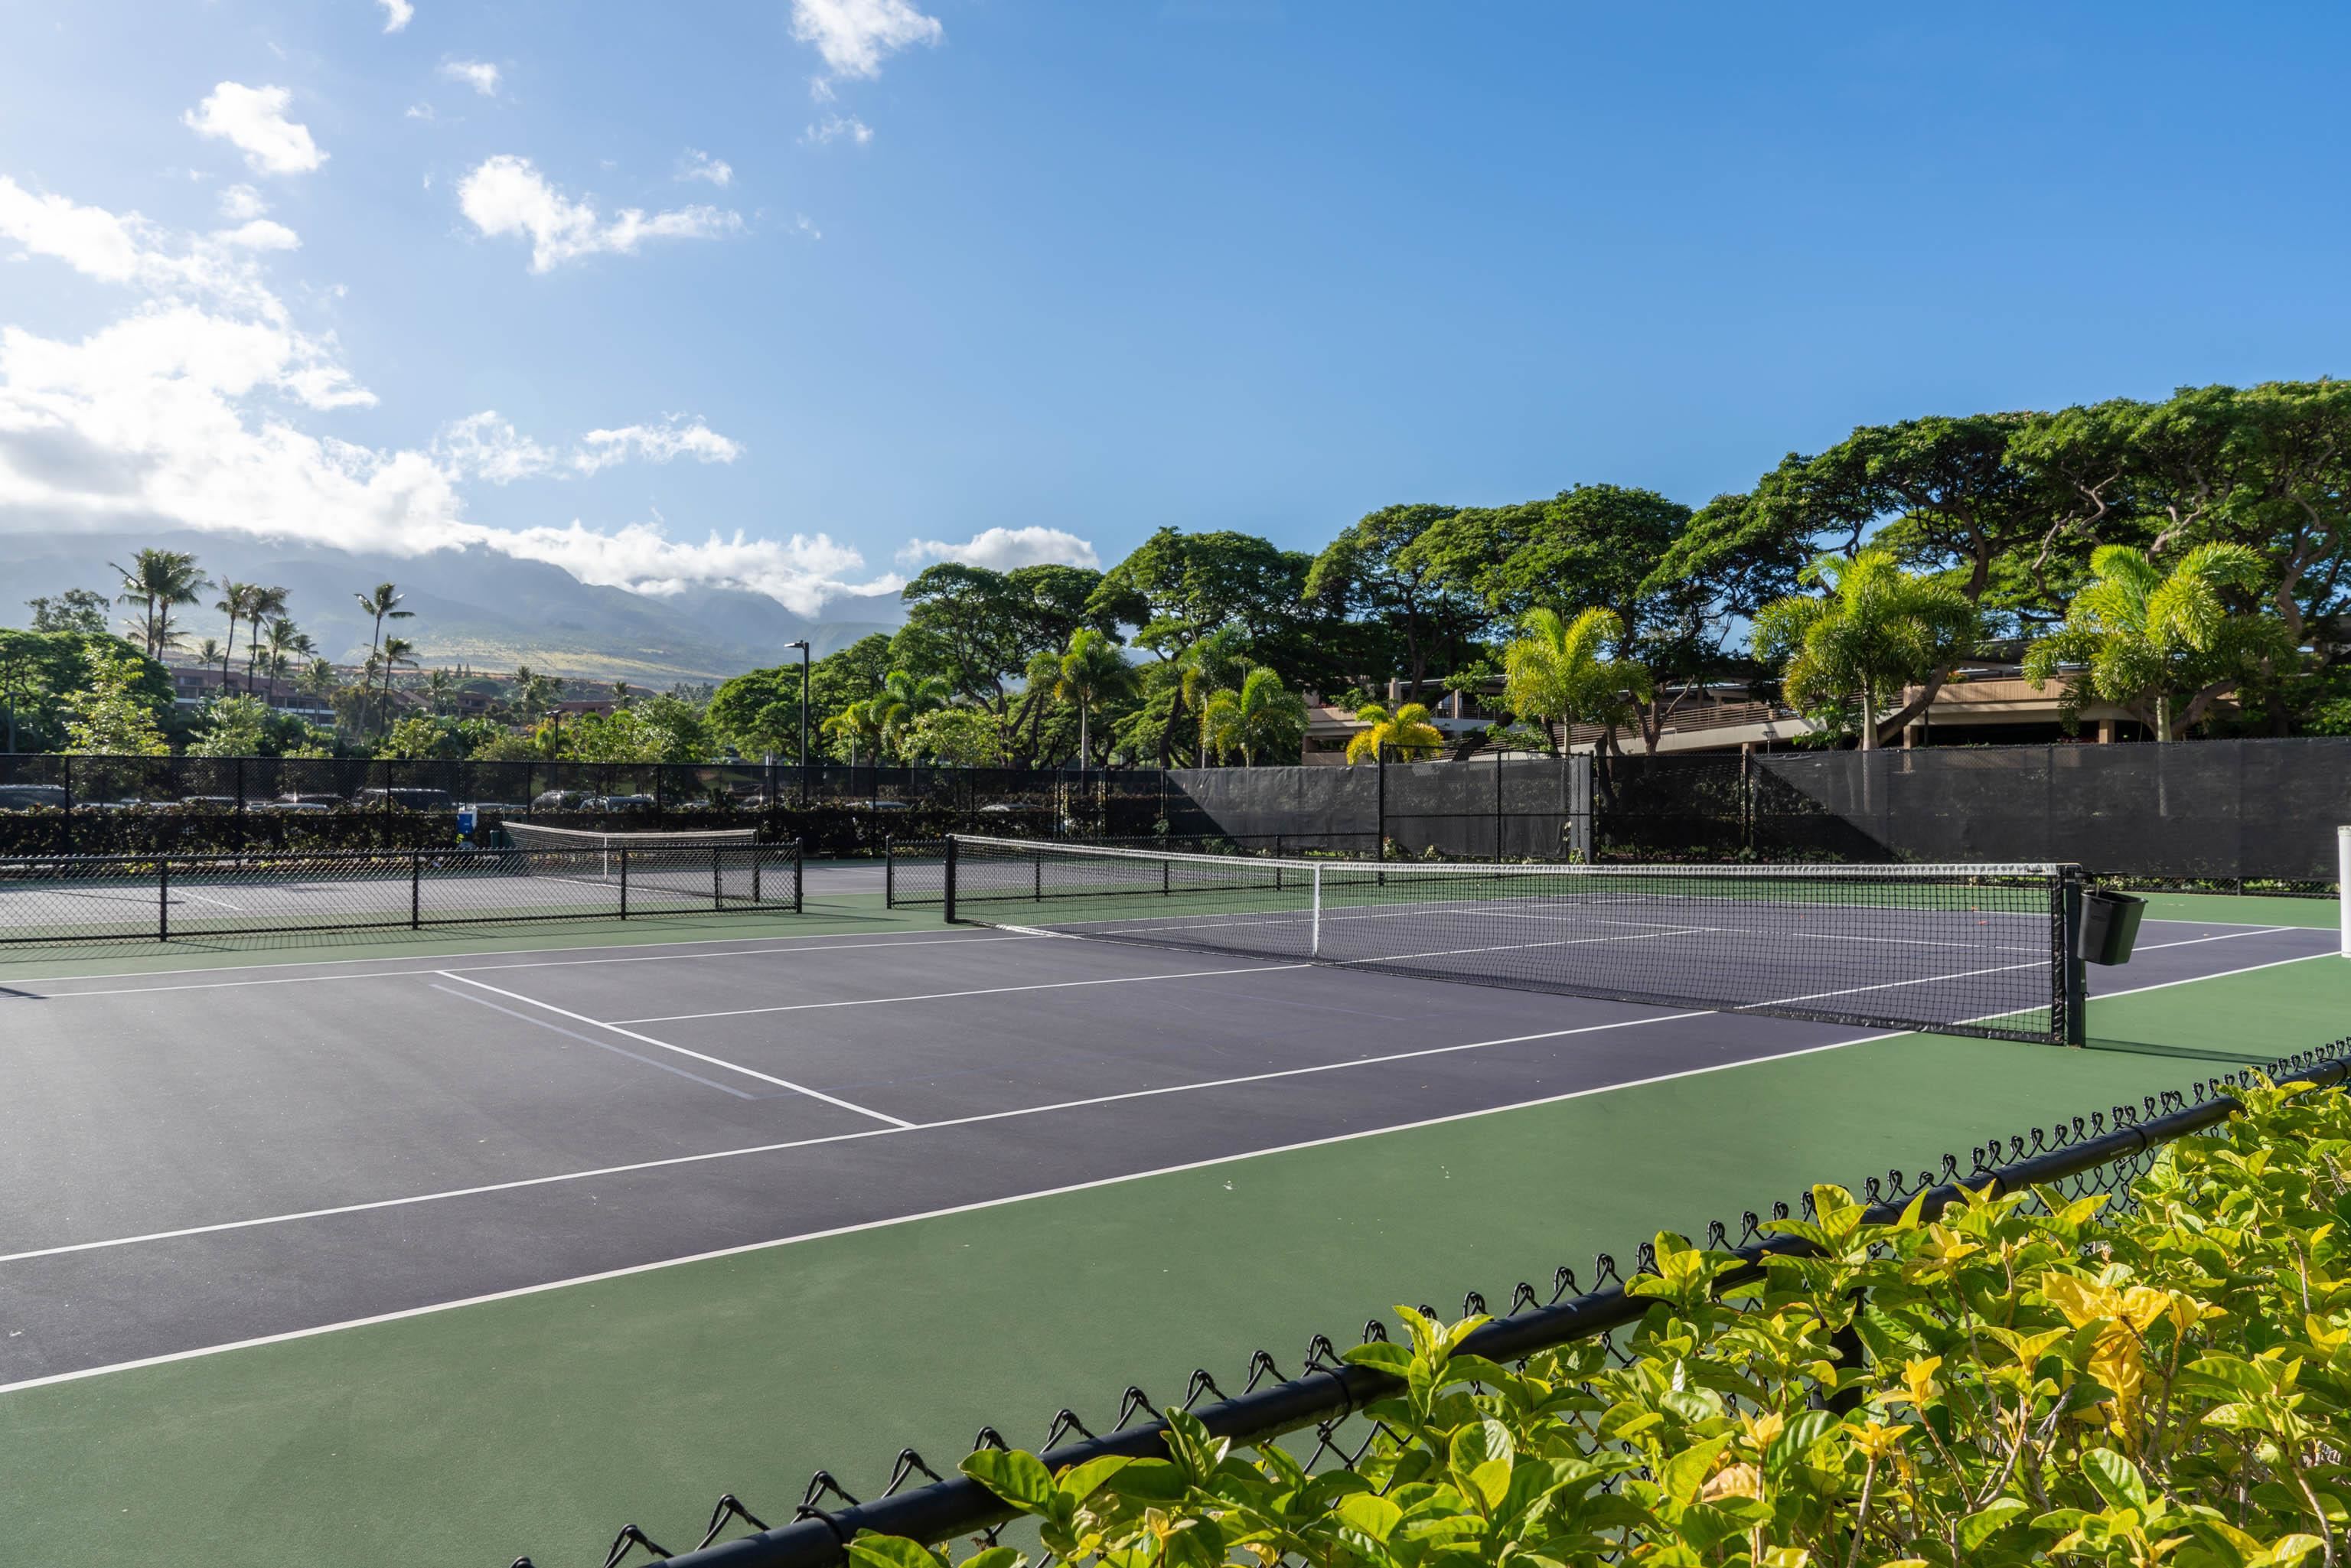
[{"x": 1973, "y": 949}]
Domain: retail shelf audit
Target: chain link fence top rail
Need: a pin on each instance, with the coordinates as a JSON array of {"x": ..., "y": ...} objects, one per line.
[
  {"x": 147, "y": 898},
  {"x": 2101, "y": 1154}
]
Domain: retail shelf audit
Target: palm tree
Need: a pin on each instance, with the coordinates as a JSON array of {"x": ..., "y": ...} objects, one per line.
[
  {"x": 438, "y": 686},
  {"x": 236, "y": 600},
  {"x": 318, "y": 676},
  {"x": 1216, "y": 661},
  {"x": 285, "y": 643},
  {"x": 1263, "y": 715},
  {"x": 260, "y": 604},
  {"x": 1090, "y": 671},
  {"x": 853, "y": 724},
  {"x": 1874, "y": 629},
  {"x": 397, "y": 651},
  {"x": 210, "y": 653},
  {"x": 2138, "y": 637},
  {"x": 1405, "y": 731},
  {"x": 384, "y": 603},
  {"x": 903, "y": 698},
  {"x": 159, "y": 580},
  {"x": 1556, "y": 669}
]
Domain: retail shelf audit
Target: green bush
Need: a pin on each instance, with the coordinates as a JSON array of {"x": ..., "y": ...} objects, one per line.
[{"x": 2020, "y": 1378}]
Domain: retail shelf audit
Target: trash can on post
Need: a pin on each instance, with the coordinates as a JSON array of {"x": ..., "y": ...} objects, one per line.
[{"x": 2109, "y": 926}]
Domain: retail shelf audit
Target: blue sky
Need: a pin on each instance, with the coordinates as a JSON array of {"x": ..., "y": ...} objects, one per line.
[{"x": 1008, "y": 281}]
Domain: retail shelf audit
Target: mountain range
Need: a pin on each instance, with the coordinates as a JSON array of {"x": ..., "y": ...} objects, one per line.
[{"x": 491, "y": 611}]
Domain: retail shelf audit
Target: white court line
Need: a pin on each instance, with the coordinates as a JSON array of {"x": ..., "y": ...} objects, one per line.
[
  {"x": 664, "y": 1045},
  {"x": 895, "y": 1220},
  {"x": 222, "y": 903},
  {"x": 431, "y": 967},
  {"x": 631, "y": 948},
  {"x": 551, "y": 1025},
  {"x": 1024, "y": 1110},
  {"x": 873, "y": 1133},
  {"x": 951, "y": 996}
]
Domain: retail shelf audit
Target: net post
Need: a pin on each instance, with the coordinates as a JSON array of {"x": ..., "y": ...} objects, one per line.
[
  {"x": 624, "y": 880},
  {"x": 759, "y": 864},
  {"x": 415, "y": 889},
  {"x": 1037, "y": 864},
  {"x": 718, "y": 883},
  {"x": 948, "y": 881},
  {"x": 799, "y": 874},
  {"x": 163, "y": 898},
  {"x": 1314, "y": 939},
  {"x": 889, "y": 871},
  {"x": 2073, "y": 973},
  {"x": 2342, "y": 882}
]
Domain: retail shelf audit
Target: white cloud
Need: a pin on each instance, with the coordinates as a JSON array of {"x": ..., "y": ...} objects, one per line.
[
  {"x": 855, "y": 35},
  {"x": 479, "y": 75},
  {"x": 181, "y": 414},
  {"x": 239, "y": 202},
  {"x": 486, "y": 446},
  {"x": 834, "y": 128},
  {"x": 253, "y": 119},
  {"x": 1001, "y": 549},
  {"x": 261, "y": 233},
  {"x": 700, "y": 166},
  {"x": 801, "y": 221},
  {"x": 90, "y": 240},
  {"x": 397, "y": 14},
  {"x": 662, "y": 442},
  {"x": 506, "y": 195},
  {"x": 418, "y": 112}
]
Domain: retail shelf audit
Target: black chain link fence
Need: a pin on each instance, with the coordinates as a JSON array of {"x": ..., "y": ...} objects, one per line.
[
  {"x": 1317, "y": 1410},
  {"x": 2225, "y": 812},
  {"x": 52, "y": 804},
  {"x": 111, "y": 899}
]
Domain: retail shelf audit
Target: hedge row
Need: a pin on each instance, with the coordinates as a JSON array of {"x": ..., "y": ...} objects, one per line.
[{"x": 2024, "y": 1379}]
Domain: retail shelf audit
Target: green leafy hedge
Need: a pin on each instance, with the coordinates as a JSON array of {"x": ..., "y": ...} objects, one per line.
[{"x": 2021, "y": 1378}]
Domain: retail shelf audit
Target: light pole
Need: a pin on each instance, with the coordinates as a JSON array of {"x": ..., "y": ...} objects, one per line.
[{"x": 802, "y": 645}]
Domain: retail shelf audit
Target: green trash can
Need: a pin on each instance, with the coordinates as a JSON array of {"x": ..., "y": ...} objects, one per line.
[{"x": 2109, "y": 926}]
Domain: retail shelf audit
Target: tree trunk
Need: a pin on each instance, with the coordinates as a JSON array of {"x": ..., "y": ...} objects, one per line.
[
  {"x": 1868, "y": 717},
  {"x": 1085, "y": 737},
  {"x": 2163, "y": 716}
]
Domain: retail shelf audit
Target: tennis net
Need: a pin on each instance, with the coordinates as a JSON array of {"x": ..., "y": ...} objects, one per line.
[{"x": 1971, "y": 950}]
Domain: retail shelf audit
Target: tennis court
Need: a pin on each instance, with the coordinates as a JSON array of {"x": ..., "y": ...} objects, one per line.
[{"x": 458, "y": 1245}]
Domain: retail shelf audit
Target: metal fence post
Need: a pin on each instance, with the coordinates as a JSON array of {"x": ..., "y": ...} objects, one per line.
[
  {"x": 163, "y": 898},
  {"x": 889, "y": 871},
  {"x": 2072, "y": 972},
  {"x": 69, "y": 806},
  {"x": 415, "y": 889},
  {"x": 948, "y": 887},
  {"x": 624, "y": 882},
  {"x": 717, "y": 886}
]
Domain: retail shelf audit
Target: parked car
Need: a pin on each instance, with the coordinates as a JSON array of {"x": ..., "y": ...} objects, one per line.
[
  {"x": 409, "y": 799},
  {"x": 878, "y": 805},
  {"x": 560, "y": 800},
  {"x": 621, "y": 804},
  {"x": 219, "y": 802},
  {"x": 300, "y": 804},
  {"x": 30, "y": 797}
]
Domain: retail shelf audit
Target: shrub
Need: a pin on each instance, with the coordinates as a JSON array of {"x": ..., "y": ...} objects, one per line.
[{"x": 2018, "y": 1378}]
